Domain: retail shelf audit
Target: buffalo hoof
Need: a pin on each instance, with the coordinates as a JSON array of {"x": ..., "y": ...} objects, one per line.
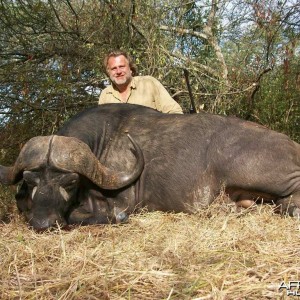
[
  {"x": 296, "y": 213},
  {"x": 121, "y": 217},
  {"x": 81, "y": 217}
]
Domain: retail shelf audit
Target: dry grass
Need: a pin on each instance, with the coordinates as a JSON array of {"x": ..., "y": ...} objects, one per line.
[{"x": 216, "y": 254}]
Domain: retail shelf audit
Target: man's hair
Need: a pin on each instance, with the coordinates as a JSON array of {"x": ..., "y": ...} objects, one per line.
[{"x": 115, "y": 53}]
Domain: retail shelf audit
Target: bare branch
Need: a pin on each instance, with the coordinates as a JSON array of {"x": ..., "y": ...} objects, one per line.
[{"x": 184, "y": 31}]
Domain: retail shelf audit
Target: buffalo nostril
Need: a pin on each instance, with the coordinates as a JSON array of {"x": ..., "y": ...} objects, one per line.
[
  {"x": 42, "y": 224},
  {"x": 39, "y": 225}
]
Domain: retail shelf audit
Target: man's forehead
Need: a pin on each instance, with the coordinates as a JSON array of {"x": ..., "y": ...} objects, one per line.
[{"x": 114, "y": 60}]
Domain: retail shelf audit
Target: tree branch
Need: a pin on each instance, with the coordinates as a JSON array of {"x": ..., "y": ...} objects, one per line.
[{"x": 209, "y": 36}]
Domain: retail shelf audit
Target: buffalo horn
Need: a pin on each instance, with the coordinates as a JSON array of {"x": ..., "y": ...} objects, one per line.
[
  {"x": 73, "y": 155},
  {"x": 33, "y": 155}
]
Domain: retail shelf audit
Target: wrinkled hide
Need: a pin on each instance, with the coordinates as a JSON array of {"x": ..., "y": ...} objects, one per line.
[
  {"x": 173, "y": 163},
  {"x": 51, "y": 167}
]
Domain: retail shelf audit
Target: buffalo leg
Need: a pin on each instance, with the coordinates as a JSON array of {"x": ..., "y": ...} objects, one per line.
[
  {"x": 290, "y": 205},
  {"x": 91, "y": 211},
  {"x": 96, "y": 211}
]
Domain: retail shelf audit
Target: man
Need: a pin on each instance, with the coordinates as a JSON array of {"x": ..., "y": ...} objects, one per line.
[{"x": 128, "y": 88}]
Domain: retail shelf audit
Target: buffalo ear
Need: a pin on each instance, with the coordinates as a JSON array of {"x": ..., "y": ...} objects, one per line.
[{"x": 32, "y": 178}]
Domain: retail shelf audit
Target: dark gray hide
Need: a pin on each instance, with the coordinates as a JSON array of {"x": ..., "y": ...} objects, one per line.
[{"x": 188, "y": 159}]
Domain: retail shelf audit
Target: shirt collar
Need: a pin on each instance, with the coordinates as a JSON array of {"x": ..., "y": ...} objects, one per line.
[
  {"x": 111, "y": 88},
  {"x": 133, "y": 83}
]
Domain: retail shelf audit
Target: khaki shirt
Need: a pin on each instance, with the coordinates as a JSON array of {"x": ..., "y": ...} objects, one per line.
[{"x": 146, "y": 91}]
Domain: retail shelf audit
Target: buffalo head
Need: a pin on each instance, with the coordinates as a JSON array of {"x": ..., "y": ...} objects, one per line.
[{"x": 51, "y": 167}]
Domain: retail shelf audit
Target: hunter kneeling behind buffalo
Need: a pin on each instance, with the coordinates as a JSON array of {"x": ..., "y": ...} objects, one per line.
[
  {"x": 138, "y": 157},
  {"x": 127, "y": 87}
]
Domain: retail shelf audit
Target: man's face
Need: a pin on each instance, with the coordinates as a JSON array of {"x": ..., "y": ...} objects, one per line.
[{"x": 118, "y": 70}]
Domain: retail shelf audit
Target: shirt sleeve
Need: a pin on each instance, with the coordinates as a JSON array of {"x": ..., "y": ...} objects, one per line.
[
  {"x": 102, "y": 97},
  {"x": 164, "y": 102}
]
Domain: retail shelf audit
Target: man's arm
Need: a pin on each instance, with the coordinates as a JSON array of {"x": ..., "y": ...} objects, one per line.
[
  {"x": 102, "y": 97},
  {"x": 164, "y": 102}
]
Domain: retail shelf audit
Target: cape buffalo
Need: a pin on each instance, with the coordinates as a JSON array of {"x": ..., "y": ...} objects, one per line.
[{"x": 114, "y": 159}]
